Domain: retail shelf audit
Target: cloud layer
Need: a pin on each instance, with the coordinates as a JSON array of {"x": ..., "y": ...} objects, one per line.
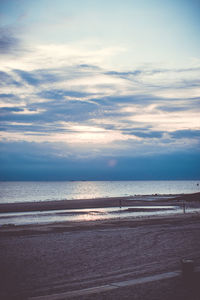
[
  {"x": 90, "y": 106},
  {"x": 80, "y": 99}
]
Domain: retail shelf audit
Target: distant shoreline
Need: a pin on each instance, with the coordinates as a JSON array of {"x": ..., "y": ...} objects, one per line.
[{"x": 98, "y": 202}]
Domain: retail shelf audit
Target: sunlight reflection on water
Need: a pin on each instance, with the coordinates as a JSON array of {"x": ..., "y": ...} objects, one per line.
[{"x": 62, "y": 190}]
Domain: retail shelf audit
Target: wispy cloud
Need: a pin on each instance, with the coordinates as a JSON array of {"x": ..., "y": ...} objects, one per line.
[
  {"x": 87, "y": 96},
  {"x": 128, "y": 108},
  {"x": 9, "y": 43}
]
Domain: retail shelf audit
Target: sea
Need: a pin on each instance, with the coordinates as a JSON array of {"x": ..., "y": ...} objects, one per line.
[
  {"x": 19, "y": 191},
  {"x": 31, "y": 191}
]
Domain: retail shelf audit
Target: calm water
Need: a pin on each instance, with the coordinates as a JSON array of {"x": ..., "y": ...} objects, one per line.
[{"x": 20, "y": 191}]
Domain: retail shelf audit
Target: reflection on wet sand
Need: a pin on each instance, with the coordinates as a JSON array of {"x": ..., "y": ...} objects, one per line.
[{"x": 89, "y": 214}]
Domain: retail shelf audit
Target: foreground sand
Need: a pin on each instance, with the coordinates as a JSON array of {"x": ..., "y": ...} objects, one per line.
[{"x": 46, "y": 259}]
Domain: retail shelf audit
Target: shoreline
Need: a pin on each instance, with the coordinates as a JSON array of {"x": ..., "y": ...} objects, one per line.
[{"x": 99, "y": 202}]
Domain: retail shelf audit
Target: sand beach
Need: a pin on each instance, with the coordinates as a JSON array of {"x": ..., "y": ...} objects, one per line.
[{"x": 125, "y": 258}]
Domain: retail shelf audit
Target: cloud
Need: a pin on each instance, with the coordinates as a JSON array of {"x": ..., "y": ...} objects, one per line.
[
  {"x": 31, "y": 161},
  {"x": 95, "y": 109},
  {"x": 38, "y": 77},
  {"x": 124, "y": 74},
  {"x": 145, "y": 134},
  {"x": 89, "y": 67},
  {"x": 10, "y": 109},
  {"x": 73, "y": 95},
  {"x": 28, "y": 77},
  {"x": 7, "y": 96},
  {"x": 9, "y": 43},
  {"x": 190, "y": 134},
  {"x": 6, "y": 79},
  {"x": 62, "y": 94},
  {"x": 173, "y": 108}
]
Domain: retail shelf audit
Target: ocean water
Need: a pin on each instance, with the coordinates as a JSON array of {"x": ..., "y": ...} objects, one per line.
[{"x": 20, "y": 191}]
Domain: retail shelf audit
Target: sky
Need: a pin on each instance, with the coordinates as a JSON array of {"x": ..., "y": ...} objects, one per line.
[{"x": 99, "y": 90}]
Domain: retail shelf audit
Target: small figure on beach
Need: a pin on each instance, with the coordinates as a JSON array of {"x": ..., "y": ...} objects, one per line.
[{"x": 120, "y": 203}]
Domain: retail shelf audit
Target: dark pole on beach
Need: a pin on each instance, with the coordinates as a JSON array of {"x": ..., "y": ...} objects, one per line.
[
  {"x": 184, "y": 207},
  {"x": 120, "y": 203},
  {"x": 120, "y": 206}
]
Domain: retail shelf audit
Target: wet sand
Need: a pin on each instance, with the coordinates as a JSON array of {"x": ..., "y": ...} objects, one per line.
[
  {"x": 54, "y": 258},
  {"x": 99, "y": 202}
]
